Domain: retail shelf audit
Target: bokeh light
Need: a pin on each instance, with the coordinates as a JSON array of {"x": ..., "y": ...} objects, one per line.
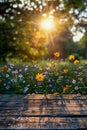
[{"x": 47, "y": 24}]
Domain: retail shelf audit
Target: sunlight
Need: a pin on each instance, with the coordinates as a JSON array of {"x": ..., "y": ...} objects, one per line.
[
  {"x": 47, "y": 24},
  {"x": 77, "y": 37}
]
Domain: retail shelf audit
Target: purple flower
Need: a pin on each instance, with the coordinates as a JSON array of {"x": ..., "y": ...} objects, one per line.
[
  {"x": 73, "y": 81},
  {"x": 76, "y": 88},
  {"x": 7, "y": 75},
  {"x": 80, "y": 79},
  {"x": 39, "y": 83},
  {"x": 50, "y": 85},
  {"x": 15, "y": 80},
  {"x": 45, "y": 72},
  {"x": 78, "y": 94},
  {"x": 31, "y": 78},
  {"x": 48, "y": 68},
  {"x": 16, "y": 72},
  {"x": 7, "y": 87}
]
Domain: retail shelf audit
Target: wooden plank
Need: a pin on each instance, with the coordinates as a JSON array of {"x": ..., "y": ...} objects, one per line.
[
  {"x": 37, "y": 122},
  {"x": 43, "y": 111},
  {"x": 35, "y": 102},
  {"x": 38, "y": 96}
]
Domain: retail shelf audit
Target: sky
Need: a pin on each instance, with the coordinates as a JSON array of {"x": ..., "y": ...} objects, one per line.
[{"x": 78, "y": 36}]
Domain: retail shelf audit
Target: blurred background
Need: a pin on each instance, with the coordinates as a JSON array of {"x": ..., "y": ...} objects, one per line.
[{"x": 35, "y": 29}]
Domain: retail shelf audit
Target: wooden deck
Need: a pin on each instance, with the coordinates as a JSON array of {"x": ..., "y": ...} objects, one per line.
[{"x": 43, "y": 112}]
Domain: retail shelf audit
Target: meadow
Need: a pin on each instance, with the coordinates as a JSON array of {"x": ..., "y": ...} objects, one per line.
[{"x": 51, "y": 76}]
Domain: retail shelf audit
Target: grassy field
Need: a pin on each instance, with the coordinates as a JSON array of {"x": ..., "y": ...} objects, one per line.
[{"x": 44, "y": 77}]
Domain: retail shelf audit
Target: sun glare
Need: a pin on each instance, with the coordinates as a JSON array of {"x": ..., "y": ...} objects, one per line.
[{"x": 47, "y": 24}]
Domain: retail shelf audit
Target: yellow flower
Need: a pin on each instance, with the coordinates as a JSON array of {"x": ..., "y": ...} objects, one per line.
[
  {"x": 71, "y": 57},
  {"x": 52, "y": 63},
  {"x": 76, "y": 62},
  {"x": 25, "y": 57},
  {"x": 4, "y": 67},
  {"x": 57, "y": 54},
  {"x": 39, "y": 77},
  {"x": 55, "y": 94},
  {"x": 65, "y": 71},
  {"x": 66, "y": 88},
  {"x": 15, "y": 61},
  {"x": 0, "y": 80}
]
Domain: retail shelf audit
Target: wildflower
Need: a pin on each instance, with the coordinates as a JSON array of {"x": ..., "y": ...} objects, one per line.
[
  {"x": 50, "y": 85},
  {"x": 7, "y": 87},
  {"x": 65, "y": 71},
  {"x": 16, "y": 72},
  {"x": 49, "y": 80},
  {"x": 39, "y": 77},
  {"x": 76, "y": 62},
  {"x": 20, "y": 76},
  {"x": 31, "y": 78},
  {"x": 71, "y": 57},
  {"x": 39, "y": 83},
  {"x": 20, "y": 70},
  {"x": 25, "y": 69},
  {"x": 57, "y": 54},
  {"x": 66, "y": 88},
  {"x": 7, "y": 75},
  {"x": 48, "y": 68},
  {"x": 55, "y": 94},
  {"x": 76, "y": 88},
  {"x": 45, "y": 73},
  {"x": 25, "y": 89},
  {"x": 15, "y": 80},
  {"x": 25, "y": 57},
  {"x": 73, "y": 81},
  {"x": 4, "y": 67},
  {"x": 80, "y": 79},
  {"x": 0, "y": 80},
  {"x": 78, "y": 94},
  {"x": 8, "y": 70},
  {"x": 15, "y": 61}
]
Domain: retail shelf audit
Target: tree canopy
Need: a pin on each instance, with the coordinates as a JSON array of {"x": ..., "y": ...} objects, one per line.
[{"x": 20, "y": 29}]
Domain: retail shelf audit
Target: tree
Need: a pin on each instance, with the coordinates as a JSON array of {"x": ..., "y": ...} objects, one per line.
[{"x": 24, "y": 16}]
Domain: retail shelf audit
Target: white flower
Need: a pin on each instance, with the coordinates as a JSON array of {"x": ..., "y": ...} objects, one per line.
[
  {"x": 9, "y": 69},
  {"x": 76, "y": 88},
  {"x": 7, "y": 75},
  {"x": 15, "y": 80},
  {"x": 73, "y": 81},
  {"x": 20, "y": 76},
  {"x": 25, "y": 69},
  {"x": 16, "y": 72},
  {"x": 25, "y": 89}
]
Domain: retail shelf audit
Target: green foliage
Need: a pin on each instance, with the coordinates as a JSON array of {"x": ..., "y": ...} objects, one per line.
[
  {"x": 20, "y": 23},
  {"x": 83, "y": 44}
]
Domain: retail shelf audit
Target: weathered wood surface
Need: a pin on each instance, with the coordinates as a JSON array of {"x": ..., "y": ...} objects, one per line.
[{"x": 43, "y": 112}]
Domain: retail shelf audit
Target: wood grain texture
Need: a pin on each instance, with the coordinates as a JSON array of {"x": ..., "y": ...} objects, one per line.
[{"x": 43, "y": 112}]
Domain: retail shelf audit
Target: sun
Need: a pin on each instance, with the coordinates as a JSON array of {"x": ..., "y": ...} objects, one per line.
[{"x": 47, "y": 24}]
